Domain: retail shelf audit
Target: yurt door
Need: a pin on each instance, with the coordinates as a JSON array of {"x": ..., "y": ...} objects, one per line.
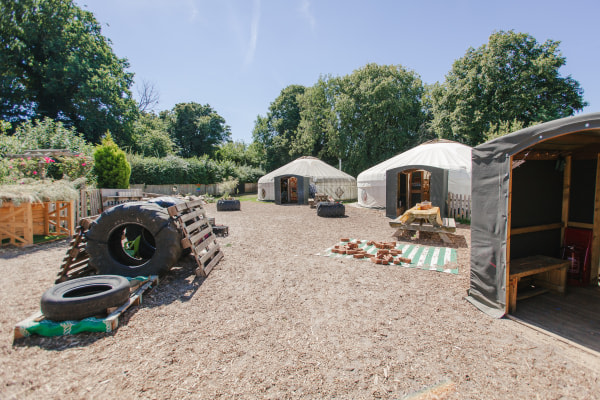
[{"x": 293, "y": 189}]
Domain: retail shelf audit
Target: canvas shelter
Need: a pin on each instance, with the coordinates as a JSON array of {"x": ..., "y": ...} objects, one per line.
[
  {"x": 533, "y": 191},
  {"x": 426, "y": 172},
  {"x": 292, "y": 182}
]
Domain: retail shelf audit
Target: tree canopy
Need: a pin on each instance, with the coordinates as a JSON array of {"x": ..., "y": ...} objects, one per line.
[
  {"x": 362, "y": 118},
  {"x": 197, "y": 129},
  {"x": 54, "y": 62},
  {"x": 277, "y": 132},
  {"x": 511, "y": 78}
]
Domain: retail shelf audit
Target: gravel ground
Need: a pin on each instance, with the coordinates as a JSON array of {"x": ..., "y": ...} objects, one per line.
[{"x": 274, "y": 320}]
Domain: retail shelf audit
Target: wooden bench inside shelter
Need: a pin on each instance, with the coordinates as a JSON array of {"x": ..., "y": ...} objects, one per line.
[
  {"x": 548, "y": 273},
  {"x": 429, "y": 220}
]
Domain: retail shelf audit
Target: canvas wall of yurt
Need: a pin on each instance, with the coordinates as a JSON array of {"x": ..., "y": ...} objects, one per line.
[
  {"x": 296, "y": 181},
  {"x": 427, "y": 172}
]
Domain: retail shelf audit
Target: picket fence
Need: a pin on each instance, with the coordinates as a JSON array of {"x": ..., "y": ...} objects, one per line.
[{"x": 459, "y": 206}]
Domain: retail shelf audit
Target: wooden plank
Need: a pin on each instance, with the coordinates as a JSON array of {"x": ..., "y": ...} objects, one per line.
[
  {"x": 536, "y": 228},
  {"x": 200, "y": 236},
  {"x": 200, "y": 213},
  {"x": 196, "y": 225},
  {"x": 507, "y": 293},
  {"x": 206, "y": 270},
  {"x": 535, "y": 264},
  {"x": 582, "y": 225},
  {"x": 179, "y": 208},
  {"x": 565, "y": 198}
]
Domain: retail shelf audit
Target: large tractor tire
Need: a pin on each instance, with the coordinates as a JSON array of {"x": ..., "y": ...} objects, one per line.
[
  {"x": 134, "y": 239},
  {"x": 330, "y": 209},
  {"x": 84, "y": 297}
]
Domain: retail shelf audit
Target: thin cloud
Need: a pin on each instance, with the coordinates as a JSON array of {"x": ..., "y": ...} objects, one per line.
[
  {"x": 253, "y": 33},
  {"x": 306, "y": 13},
  {"x": 193, "y": 10}
]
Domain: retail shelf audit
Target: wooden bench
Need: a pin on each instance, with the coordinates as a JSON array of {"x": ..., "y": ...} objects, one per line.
[{"x": 550, "y": 274}]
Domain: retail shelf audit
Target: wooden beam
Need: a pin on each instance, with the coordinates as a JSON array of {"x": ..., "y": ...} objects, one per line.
[
  {"x": 565, "y": 199},
  {"x": 507, "y": 281},
  {"x": 582, "y": 225},
  {"x": 536, "y": 228},
  {"x": 596, "y": 231}
]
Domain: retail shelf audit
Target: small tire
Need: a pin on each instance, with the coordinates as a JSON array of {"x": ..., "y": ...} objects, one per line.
[
  {"x": 84, "y": 297},
  {"x": 228, "y": 205},
  {"x": 330, "y": 209},
  {"x": 158, "y": 251}
]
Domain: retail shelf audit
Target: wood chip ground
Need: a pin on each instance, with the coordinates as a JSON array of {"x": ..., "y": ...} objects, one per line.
[{"x": 275, "y": 321}]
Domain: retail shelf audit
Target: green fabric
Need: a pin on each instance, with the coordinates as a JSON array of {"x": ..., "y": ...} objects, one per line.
[{"x": 441, "y": 259}]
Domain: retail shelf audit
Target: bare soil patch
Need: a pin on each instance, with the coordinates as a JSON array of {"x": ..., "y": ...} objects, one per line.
[{"x": 274, "y": 320}]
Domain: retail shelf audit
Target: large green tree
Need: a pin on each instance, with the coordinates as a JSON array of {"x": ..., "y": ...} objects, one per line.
[
  {"x": 379, "y": 112},
  {"x": 511, "y": 78},
  {"x": 54, "y": 62},
  {"x": 276, "y": 133},
  {"x": 197, "y": 129},
  {"x": 151, "y": 137}
]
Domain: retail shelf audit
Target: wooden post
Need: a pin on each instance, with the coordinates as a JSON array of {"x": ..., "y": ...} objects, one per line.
[
  {"x": 596, "y": 231},
  {"x": 507, "y": 285},
  {"x": 565, "y": 198}
]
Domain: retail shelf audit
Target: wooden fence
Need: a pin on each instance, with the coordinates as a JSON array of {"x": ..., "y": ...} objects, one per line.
[
  {"x": 92, "y": 201},
  {"x": 459, "y": 206}
]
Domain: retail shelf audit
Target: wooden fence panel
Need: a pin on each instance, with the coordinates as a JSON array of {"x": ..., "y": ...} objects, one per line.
[{"x": 459, "y": 206}]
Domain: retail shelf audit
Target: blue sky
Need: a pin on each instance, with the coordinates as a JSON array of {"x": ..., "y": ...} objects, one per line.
[{"x": 237, "y": 55}]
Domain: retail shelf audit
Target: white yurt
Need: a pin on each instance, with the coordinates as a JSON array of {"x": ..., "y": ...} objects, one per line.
[
  {"x": 292, "y": 182},
  {"x": 426, "y": 172}
]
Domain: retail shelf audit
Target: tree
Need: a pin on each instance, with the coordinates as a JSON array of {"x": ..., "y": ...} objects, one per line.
[
  {"x": 239, "y": 153},
  {"x": 151, "y": 137},
  {"x": 54, "y": 62},
  {"x": 512, "y": 77},
  {"x": 317, "y": 131},
  {"x": 148, "y": 96},
  {"x": 379, "y": 110},
  {"x": 277, "y": 132},
  {"x": 111, "y": 166},
  {"x": 197, "y": 129}
]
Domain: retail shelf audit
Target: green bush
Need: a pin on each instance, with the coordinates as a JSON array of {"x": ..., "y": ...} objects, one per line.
[
  {"x": 176, "y": 170},
  {"x": 111, "y": 166}
]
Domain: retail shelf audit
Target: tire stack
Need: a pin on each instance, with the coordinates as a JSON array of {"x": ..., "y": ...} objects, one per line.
[
  {"x": 329, "y": 209},
  {"x": 129, "y": 240}
]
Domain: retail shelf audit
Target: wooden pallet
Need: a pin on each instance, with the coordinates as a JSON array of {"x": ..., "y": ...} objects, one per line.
[
  {"x": 110, "y": 322},
  {"x": 75, "y": 264},
  {"x": 198, "y": 234}
]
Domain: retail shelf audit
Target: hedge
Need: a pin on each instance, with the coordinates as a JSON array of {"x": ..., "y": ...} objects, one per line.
[{"x": 177, "y": 170}]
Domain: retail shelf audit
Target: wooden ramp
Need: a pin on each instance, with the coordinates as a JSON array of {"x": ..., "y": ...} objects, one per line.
[
  {"x": 75, "y": 264},
  {"x": 574, "y": 317},
  {"x": 198, "y": 234}
]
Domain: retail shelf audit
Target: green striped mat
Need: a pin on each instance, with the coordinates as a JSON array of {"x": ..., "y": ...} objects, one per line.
[{"x": 441, "y": 259}]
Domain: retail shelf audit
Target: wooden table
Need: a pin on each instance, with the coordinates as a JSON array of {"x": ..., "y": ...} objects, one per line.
[
  {"x": 550, "y": 274},
  {"x": 428, "y": 220}
]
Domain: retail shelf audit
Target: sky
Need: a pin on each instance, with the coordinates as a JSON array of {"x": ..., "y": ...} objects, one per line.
[{"x": 237, "y": 55}]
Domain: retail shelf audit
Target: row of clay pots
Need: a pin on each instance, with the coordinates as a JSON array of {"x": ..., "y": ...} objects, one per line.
[{"x": 386, "y": 253}]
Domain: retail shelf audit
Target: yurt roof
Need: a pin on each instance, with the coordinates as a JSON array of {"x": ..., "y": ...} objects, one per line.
[
  {"x": 439, "y": 153},
  {"x": 308, "y": 166}
]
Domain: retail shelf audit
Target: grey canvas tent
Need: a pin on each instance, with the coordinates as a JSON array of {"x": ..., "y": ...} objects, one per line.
[{"x": 529, "y": 188}]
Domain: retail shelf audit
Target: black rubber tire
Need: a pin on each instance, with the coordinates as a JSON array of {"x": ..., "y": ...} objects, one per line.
[
  {"x": 228, "y": 205},
  {"x": 330, "y": 209},
  {"x": 160, "y": 248},
  {"x": 84, "y": 297}
]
